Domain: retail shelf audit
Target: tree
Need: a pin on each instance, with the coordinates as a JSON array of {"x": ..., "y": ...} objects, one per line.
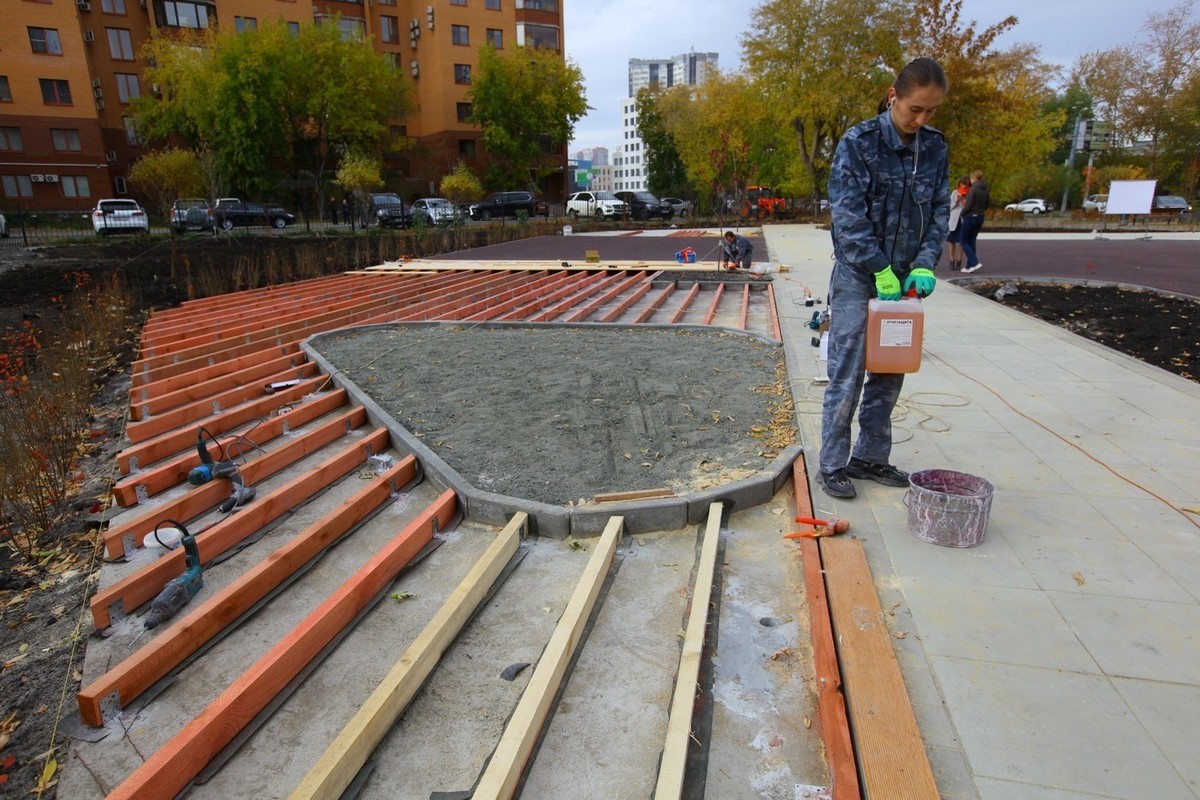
[
  {"x": 360, "y": 174},
  {"x": 461, "y": 185},
  {"x": 164, "y": 176},
  {"x": 249, "y": 99},
  {"x": 666, "y": 173},
  {"x": 1170, "y": 62},
  {"x": 527, "y": 102}
]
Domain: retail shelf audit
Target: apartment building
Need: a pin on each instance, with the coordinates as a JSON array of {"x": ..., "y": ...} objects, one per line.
[
  {"x": 70, "y": 68},
  {"x": 691, "y": 69}
]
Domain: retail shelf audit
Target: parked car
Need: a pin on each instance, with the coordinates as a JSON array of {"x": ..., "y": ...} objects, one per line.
[
  {"x": 119, "y": 216},
  {"x": 681, "y": 207},
  {"x": 192, "y": 214},
  {"x": 433, "y": 211},
  {"x": 389, "y": 211},
  {"x": 237, "y": 214},
  {"x": 3, "y": 227},
  {"x": 1096, "y": 202},
  {"x": 1034, "y": 205},
  {"x": 541, "y": 208},
  {"x": 595, "y": 204},
  {"x": 504, "y": 204},
  {"x": 1170, "y": 204},
  {"x": 643, "y": 205}
]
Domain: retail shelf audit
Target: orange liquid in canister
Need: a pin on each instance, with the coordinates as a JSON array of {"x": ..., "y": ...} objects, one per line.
[{"x": 894, "y": 332}]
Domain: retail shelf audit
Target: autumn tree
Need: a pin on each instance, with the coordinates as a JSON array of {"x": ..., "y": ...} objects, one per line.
[
  {"x": 666, "y": 173},
  {"x": 359, "y": 174},
  {"x": 526, "y": 101},
  {"x": 164, "y": 176}
]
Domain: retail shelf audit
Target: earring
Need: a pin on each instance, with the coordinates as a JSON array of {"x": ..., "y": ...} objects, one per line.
[{"x": 891, "y": 101}]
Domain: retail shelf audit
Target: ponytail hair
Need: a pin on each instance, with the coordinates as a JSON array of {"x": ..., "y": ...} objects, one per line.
[{"x": 917, "y": 73}]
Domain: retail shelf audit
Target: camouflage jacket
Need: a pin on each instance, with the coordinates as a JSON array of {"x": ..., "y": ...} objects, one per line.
[{"x": 890, "y": 201}]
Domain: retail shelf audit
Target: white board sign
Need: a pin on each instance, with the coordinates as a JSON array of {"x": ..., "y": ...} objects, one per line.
[{"x": 1130, "y": 197}]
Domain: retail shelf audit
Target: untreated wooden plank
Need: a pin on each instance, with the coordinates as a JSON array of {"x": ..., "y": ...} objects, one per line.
[
  {"x": 890, "y": 750},
  {"x": 636, "y": 494},
  {"x": 504, "y": 771},
  {"x": 342, "y": 760},
  {"x": 183, "y": 637},
  {"x": 141, "y": 586},
  {"x": 679, "y": 724},
  {"x": 178, "y": 761},
  {"x": 831, "y": 703}
]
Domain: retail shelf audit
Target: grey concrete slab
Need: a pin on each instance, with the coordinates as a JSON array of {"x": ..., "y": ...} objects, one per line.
[{"x": 1048, "y": 688}]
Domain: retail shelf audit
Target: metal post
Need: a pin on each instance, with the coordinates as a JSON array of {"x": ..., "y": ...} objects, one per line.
[{"x": 1070, "y": 162}]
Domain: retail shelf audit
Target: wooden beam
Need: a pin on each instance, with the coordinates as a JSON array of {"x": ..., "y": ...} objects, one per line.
[
  {"x": 688, "y": 299},
  {"x": 178, "y": 761},
  {"x": 679, "y": 724},
  {"x": 831, "y": 703},
  {"x": 206, "y": 619},
  {"x": 890, "y": 750},
  {"x": 504, "y": 771},
  {"x": 342, "y": 760},
  {"x": 636, "y": 494},
  {"x": 774, "y": 317},
  {"x": 141, "y": 586},
  {"x": 716, "y": 302}
]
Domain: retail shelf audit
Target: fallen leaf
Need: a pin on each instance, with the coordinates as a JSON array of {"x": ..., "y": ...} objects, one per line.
[
  {"x": 578, "y": 546},
  {"x": 47, "y": 779},
  {"x": 782, "y": 652},
  {"x": 400, "y": 597},
  {"x": 1078, "y": 578},
  {"x": 807, "y": 722},
  {"x": 900, "y": 634},
  {"x": 43, "y": 708},
  {"x": 1191, "y": 510}
]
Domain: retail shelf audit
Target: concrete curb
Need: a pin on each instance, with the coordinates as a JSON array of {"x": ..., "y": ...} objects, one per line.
[{"x": 641, "y": 516}]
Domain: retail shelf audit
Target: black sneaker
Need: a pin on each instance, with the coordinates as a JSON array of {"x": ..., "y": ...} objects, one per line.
[
  {"x": 885, "y": 474},
  {"x": 836, "y": 484}
]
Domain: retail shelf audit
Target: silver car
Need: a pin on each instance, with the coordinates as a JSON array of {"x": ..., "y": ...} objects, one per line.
[{"x": 433, "y": 211}]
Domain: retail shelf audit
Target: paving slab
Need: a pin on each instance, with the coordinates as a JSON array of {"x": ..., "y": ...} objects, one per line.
[{"x": 1057, "y": 659}]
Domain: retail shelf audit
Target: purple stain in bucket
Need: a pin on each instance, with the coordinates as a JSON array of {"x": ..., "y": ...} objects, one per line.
[{"x": 948, "y": 508}]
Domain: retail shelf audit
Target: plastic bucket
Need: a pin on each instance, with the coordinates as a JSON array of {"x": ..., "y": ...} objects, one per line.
[{"x": 948, "y": 508}]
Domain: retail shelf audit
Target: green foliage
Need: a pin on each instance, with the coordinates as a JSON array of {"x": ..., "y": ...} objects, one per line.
[
  {"x": 245, "y": 100},
  {"x": 527, "y": 101},
  {"x": 461, "y": 185},
  {"x": 667, "y": 174},
  {"x": 166, "y": 175}
]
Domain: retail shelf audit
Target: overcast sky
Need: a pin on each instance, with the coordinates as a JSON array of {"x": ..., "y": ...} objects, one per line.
[{"x": 602, "y": 35}]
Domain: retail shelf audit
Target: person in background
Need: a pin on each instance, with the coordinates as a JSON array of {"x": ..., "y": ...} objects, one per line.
[
  {"x": 972, "y": 218},
  {"x": 889, "y": 190},
  {"x": 333, "y": 208},
  {"x": 957, "y": 197},
  {"x": 736, "y": 250}
]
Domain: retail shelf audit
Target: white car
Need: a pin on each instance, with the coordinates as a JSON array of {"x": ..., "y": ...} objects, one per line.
[
  {"x": 682, "y": 208},
  {"x": 595, "y": 204},
  {"x": 119, "y": 216},
  {"x": 433, "y": 211},
  {"x": 1096, "y": 202},
  {"x": 1034, "y": 205},
  {"x": 3, "y": 227}
]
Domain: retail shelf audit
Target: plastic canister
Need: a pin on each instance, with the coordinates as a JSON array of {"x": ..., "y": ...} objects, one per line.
[{"x": 895, "y": 329}]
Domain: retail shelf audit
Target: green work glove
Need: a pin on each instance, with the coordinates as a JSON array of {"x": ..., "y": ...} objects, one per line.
[
  {"x": 920, "y": 279},
  {"x": 887, "y": 285}
]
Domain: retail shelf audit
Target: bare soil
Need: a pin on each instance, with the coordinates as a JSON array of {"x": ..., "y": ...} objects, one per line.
[{"x": 43, "y": 605}]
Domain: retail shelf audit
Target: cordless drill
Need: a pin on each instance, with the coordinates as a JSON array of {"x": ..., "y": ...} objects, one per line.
[
  {"x": 225, "y": 468},
  {"x": 178, "y": 591}
]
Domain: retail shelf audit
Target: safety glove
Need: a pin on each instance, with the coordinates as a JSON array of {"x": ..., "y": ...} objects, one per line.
[
  {"x": 887, "y": 285},
  {"x": 920, "y": 279}
]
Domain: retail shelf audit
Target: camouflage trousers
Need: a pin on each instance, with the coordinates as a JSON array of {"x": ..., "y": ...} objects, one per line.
[{"x": 849, "y": 291}]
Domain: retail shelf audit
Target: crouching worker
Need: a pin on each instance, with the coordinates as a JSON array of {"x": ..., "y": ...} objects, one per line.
[{"x": 736, "y": 251}]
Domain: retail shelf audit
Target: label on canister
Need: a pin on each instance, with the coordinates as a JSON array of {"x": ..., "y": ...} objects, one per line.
[{"x": 896, "y": 333}]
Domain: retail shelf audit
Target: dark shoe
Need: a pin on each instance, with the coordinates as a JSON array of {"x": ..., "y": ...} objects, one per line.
[
  {"x": 836, "y": 484},
  {"x": 885, "y": 474}
]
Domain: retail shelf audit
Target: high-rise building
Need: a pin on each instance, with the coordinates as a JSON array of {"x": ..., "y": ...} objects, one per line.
[
  {"x": 690, "y": 69},
  {"x": 69, "y": 69},
  {"x": 597, "y": 155}
]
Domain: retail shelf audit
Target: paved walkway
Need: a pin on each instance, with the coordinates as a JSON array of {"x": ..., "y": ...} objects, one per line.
[{"x": 1061, "y": 657}]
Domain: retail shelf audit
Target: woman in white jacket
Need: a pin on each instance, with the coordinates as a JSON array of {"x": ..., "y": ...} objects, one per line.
[{"x": 955, "y": 238}]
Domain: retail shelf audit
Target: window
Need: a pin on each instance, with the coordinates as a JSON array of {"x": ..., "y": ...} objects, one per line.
[
  {"x": 458, "y": 2},
  {"x": 352, "y": 28},
  {"x": 537, "y": 36},
  {"x": 119, "y": 185},
  {"x": 538, "y": 5},
  {"x": 463, "y": 111},
  {"x": 65, "y": 139},
  {"x": 120, "y": 44},
  {"x": 466, "y": 148},
  {"x": 127, "y": 87},
  {"x": 389, "y": 30},
  {"x": 10, "y": 139},
  {"x": 112, "y": 6},
  {"x": 131, "y": 131},
  {"x": 387, "y": 2},
  {"x": 55, "y": 92},
  {"x": 181, "y": 14},
  {"x": 495, "y": 37},
  {"x": 494, "y": 5},
  {"x": 462, "y": 73},
  {"x": 17, "y": 186},
  {"x": 294, "y": 28},
  {"x": 5, "y": 92},
  {"x": 75, "y": 186},
  {"x": 45, "y": 40},
  {"x": 395, "y": 59},
  {"x": 460, "y": 34},
  {"x": 245, "y": 24}
]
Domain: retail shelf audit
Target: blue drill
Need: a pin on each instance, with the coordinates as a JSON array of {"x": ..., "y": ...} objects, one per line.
[{"x": 178, "y": 591}]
